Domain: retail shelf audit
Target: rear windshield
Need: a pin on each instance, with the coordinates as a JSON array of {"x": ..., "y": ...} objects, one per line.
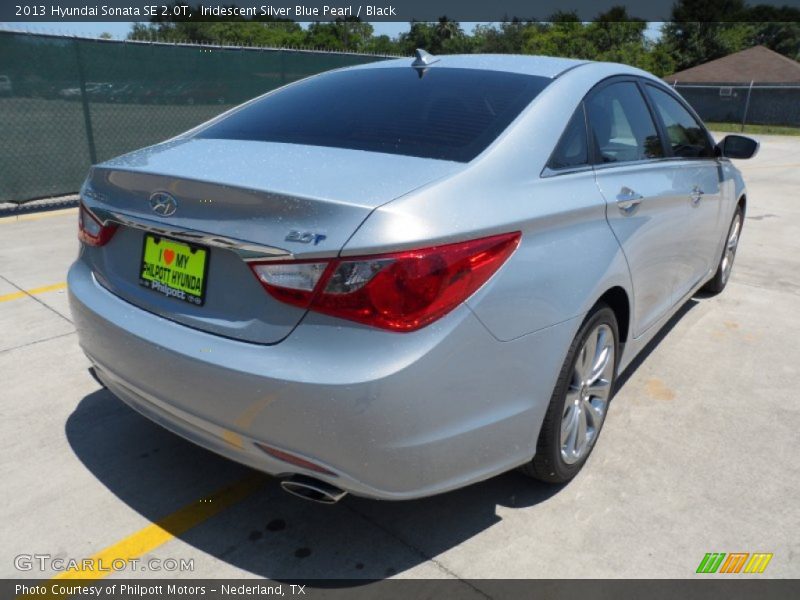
[{"x": 449, "y": 114}]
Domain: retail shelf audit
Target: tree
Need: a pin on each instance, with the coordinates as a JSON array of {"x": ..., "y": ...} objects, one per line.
[
  {"x": 660, "y": 60},
  {"x": 442, "y": 37},
  {"x": 507, "y": 38},
  {"x": 381, "y": 44},
  {"x": 563, "y": 34},
  {"x": 615, "y": 29},
  {"x": 777, "y": 29},
  {"x": 699, "y": 31},
  {"x": 342, "y": 34},
  {"x": 703, "y": 30},
  {"x": 236, "y": 33}
]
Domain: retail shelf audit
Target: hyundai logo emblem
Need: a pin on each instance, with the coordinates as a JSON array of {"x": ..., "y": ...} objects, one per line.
[{"x": 163, "y": 204}]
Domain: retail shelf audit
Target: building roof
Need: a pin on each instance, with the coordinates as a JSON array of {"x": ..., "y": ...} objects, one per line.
[{"x": 758, "y": 64}]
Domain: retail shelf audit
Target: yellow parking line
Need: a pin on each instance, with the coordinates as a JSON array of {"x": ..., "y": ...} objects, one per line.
[
  {"x": 33, "y": 292},
  {"x": 37, "y": 216},
  {"x": 156, "y": 534}
]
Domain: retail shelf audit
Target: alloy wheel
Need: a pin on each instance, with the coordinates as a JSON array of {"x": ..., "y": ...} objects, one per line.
[
  {"x": 588, "y": 393},
  {"x": 730, "y": 247}
]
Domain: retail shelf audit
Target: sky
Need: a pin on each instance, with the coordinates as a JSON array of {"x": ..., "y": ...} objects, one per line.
[{"x": 119, "y": 30}]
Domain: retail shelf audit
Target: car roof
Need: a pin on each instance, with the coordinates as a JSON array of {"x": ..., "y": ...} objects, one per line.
[
  {"x": 524, "y": 64},
  {"x": 542, "y": 66}
]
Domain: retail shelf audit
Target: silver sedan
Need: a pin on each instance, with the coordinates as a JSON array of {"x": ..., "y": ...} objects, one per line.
[{"x": 401, "y": 278}]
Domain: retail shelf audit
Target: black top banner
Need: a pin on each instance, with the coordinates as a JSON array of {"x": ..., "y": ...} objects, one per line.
[{"x": 381, "y": 10}]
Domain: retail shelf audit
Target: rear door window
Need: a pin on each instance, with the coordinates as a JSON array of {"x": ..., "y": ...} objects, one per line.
[
  {"x": 621, "y": 124},
  {"x": 443, "y": 113}
]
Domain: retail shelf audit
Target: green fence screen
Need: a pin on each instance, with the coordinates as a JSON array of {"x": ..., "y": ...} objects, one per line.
[{"x": 66, "y": 103}]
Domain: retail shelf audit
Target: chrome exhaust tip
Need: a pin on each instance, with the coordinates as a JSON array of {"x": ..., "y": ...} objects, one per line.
[{"x": 312, "y": 489}]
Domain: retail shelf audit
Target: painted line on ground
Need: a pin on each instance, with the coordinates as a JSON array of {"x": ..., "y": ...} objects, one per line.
[
  {"x": 33, "y": 292},
  {"x": 159, "y": 533},
  {"x": 36, "y": 216}
]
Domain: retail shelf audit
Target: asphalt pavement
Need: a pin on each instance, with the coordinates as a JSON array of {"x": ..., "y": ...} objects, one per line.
[{"x": 697, "y": 454}]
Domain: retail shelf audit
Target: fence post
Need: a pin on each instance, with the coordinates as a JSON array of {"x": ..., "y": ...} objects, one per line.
[
  {"x": 282, "y": 63},
  {"x": 87, "y": 117},
  {"x": 747, "y": 105}
]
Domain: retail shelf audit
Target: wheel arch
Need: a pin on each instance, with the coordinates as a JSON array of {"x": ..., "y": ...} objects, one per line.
[
  {"x": 743, "y": 203},
  {"x": 616, "y": 298}
]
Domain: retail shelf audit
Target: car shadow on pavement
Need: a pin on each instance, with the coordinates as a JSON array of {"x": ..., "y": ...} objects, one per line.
[
  {"x": 275, "y": 535},
  {"x": 623, "y": 378},
  {"x": 270, "y": 533}
]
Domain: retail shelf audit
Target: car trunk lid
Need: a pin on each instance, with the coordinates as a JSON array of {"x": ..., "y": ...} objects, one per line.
[{"x": 240, "y": 200}]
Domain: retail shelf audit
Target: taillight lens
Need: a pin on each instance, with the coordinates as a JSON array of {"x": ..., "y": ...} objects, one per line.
[
  {"x": 402, "y": 291},
  {"x": 290, "y": 282},
  {"x": 91, "y": 231}
]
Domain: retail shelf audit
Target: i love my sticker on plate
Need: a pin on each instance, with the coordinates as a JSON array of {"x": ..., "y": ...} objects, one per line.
[{"x": 174, "y": 269}]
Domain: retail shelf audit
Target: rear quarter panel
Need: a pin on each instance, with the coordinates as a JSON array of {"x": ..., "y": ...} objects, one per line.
[{"x": 568, "y": 256}]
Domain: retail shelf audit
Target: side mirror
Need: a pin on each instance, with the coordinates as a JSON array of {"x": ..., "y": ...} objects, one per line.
[{"x": 737, "y": 146}]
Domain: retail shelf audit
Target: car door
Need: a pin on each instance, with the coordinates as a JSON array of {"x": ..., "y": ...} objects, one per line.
[
  {"x": 644, "y": 205},
  {"x": 697, "y": 175}
]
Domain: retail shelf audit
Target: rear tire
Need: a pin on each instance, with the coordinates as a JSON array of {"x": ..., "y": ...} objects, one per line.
[
  {"x": 717, "y": 283},
  {"x": 579, "y": 403}
]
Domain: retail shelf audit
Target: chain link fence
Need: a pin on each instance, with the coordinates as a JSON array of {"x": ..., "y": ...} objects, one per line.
[
  {"x": 752, "y": 104},
  {"x": 67, "y": 103}
]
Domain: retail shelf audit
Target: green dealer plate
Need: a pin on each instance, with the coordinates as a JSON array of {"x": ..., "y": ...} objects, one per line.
[{"x": 175, "y": 269}]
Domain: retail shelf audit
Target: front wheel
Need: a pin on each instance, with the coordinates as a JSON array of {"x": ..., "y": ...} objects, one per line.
[
  {"x": 716, "y": 284},
  {"x": 580, "y": 400}
]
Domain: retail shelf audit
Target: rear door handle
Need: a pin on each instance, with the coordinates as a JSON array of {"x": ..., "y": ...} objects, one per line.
[
  {"x": 628, "y": 200},
  {"x": 696, "y": 195}
]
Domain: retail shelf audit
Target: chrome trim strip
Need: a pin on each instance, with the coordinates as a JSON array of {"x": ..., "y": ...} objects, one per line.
[
  {"x": 248, "y": 251},
  {"x": 630, "y": 163},
  {"x": 548, "y": 172}
]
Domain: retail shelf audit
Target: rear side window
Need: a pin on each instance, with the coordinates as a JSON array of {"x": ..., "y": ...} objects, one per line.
[
  {"x": 621, "y": 124},
  {"x": 449, "y": 114},
  {"x": 685, "y": 134},
  {"x": 572, "y": 150}
]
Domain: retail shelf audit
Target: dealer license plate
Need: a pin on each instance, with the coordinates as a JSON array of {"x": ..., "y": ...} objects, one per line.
[{"x": 174, "y": 269}]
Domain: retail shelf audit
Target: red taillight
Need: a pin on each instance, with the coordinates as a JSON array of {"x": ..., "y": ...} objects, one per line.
[
  {"x": 91, "y": 231},
  {"x": 402, "y": 291}
]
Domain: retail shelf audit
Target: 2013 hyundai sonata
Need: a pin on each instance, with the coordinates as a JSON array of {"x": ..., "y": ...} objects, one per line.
[{"x": 400, "y": 278}]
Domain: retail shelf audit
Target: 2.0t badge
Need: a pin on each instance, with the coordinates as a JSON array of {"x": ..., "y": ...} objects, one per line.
[{"x": 304, "y": 237}]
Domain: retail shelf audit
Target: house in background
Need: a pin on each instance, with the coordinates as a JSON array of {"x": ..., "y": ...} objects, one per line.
[{"x": 755, "y": 85}]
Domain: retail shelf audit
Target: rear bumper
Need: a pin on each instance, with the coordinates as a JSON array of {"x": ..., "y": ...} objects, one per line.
[{"x": 395, "y": 416}]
